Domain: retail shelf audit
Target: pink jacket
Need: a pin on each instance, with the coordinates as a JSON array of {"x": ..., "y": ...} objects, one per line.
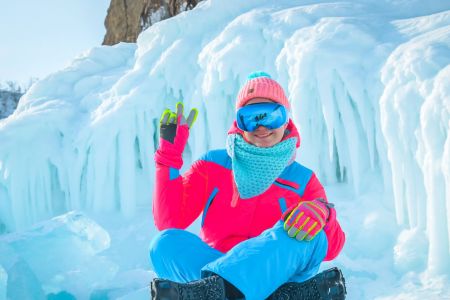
[{"x": 207, "y": 189}]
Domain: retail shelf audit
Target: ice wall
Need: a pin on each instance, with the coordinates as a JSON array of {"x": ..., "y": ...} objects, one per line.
[
  {"x": 415, "y": 107},
  {"x": 368, "y": 81}
]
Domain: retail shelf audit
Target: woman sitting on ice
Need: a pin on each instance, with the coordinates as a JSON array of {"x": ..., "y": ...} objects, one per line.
[{"x": 266, "y": 224}]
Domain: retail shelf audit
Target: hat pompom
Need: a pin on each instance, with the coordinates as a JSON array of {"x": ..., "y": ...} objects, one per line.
[{"x": 258, "y": 74}]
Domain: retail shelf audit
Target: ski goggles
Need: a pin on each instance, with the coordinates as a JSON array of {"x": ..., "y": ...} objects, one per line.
[{"x": 267, "y": 114}]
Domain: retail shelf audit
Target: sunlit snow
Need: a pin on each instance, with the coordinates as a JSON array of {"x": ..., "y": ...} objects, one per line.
[{"x": 369, "y": 83}]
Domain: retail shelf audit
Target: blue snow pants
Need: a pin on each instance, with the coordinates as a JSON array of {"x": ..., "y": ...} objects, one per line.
[{"x": 257, "y": 266}]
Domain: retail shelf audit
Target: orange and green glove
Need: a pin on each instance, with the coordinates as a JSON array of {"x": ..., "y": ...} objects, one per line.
[{"x": 306, "y": 219}]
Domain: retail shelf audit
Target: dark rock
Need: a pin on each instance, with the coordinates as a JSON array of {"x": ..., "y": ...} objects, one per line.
[{"x": 127, "y": 18}]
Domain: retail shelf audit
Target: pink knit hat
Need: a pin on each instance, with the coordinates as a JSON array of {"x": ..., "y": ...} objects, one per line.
[{"x": 261, "y": 85}]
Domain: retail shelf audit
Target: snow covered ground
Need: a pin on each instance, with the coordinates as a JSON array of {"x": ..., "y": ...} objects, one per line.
[{"x": 370, "y": 90}]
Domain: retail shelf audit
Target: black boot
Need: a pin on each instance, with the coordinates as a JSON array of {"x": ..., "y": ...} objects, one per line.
[
  {"x": 209, "y": 288},
  {"x": 327, "y": 285}
]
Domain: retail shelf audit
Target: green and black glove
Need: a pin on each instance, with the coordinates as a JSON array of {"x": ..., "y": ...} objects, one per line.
[
  {"x": 174, "y": 134},
  {"x": 170, "y": 121}
]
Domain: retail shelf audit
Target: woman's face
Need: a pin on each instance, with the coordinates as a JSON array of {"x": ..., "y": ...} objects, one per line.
[{"x": 262, "y": 136}]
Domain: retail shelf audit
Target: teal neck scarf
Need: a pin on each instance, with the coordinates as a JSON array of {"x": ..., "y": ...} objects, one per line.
[{"x": 256, "y": 168}]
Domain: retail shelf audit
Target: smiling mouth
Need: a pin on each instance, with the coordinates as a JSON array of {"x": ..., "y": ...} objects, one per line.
[{"x": 262, "y": 136}]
